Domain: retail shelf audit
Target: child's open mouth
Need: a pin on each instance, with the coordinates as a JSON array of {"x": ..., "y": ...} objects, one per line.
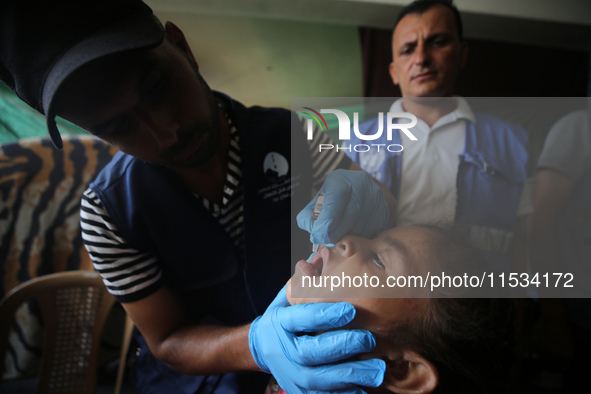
[
  {"x": 317, "y": 261},
  {"x": 315, "y": 265}
]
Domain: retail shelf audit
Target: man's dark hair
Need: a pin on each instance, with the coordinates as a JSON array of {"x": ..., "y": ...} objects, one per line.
[{"x": 420, "y": 6}]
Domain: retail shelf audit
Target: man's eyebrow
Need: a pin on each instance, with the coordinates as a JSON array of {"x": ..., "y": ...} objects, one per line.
[
  {"x": 430, "y": 37},
  {"x": 437, "y": 35},
  {"x": 144, "y": 73},
  {"x": 409, "y": 43}
]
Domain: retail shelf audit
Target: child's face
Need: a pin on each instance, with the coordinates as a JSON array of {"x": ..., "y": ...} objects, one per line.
[{"x": 401, "y": 251}]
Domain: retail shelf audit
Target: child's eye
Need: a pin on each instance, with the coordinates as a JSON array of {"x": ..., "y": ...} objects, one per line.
[{"x": 376, "y": 259}]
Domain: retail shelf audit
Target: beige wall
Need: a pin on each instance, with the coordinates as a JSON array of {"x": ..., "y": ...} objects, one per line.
[
  {"x": 548, "y": 23},
  {"x": 269, "y": 61}
]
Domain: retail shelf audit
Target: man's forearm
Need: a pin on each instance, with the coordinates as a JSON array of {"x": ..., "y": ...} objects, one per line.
[
  {"x": 195, "y": 349},
  {"x": 206, "y": 350}
]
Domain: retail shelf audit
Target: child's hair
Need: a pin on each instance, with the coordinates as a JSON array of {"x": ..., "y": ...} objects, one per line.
[{"x": 469, "y": 340}]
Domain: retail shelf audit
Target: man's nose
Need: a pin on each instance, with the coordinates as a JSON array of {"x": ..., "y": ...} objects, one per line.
[
  {"x": 346, "y": 246},
  {"x": 162, "y": 126},
  {"x": 421, "y": 54}
]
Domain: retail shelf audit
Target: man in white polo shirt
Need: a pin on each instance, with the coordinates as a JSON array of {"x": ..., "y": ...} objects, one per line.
[{"x": 464, "y": 168}]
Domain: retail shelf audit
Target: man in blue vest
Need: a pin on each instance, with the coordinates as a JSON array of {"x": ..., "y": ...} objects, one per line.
[
  {"x": 189, "y": 225},
  {"x": 464, "y": 168}
]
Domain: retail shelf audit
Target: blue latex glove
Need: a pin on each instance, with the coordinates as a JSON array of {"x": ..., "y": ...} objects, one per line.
[
  {"x": 353, "y": 204},
  {"x": 305, "y": 364}
]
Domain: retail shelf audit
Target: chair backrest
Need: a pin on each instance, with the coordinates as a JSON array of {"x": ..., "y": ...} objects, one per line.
[
  {"x": 40, "y": 192},
  {"x": 74, "y": 306}
]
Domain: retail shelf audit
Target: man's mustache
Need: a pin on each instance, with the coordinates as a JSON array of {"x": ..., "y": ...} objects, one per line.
[{"x": 184, "y": 138}]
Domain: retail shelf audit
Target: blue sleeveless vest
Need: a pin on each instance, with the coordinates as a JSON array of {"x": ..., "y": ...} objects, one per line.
[
  {"x": 156, "y": 213},
  {"x": 490, "y": 178}
]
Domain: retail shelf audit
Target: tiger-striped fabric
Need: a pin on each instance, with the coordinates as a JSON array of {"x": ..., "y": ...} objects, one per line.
[{"x": 40, "y": 193}]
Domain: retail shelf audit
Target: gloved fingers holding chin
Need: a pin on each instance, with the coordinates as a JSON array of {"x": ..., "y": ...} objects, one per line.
[
  {"x": 315, "y": 317},
  {"x": 348, "y": 376},
  {"x": 332, "y": 346}
]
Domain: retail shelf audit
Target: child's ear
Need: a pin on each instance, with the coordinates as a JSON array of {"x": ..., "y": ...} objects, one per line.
[{"x": 411, "y": 373}]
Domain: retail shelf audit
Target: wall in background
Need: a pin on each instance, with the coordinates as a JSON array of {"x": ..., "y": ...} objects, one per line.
[
  {"x": 269, "y": 61},
  {"x": 267, "y": 51},
  {"x": 561, "y": 24}
]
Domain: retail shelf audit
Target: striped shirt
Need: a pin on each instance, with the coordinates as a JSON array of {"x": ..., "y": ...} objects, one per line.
[{"x": 131, "y": 274}]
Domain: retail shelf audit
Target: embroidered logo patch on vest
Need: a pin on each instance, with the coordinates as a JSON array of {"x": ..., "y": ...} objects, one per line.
[{"x": 275, "y": 167}]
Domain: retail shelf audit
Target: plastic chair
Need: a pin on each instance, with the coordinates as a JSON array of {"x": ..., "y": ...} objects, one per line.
[
  {"x": 40, "y": 192},
  {"x": 125, "y": 342},
  {"x": 74, "y": 307}
]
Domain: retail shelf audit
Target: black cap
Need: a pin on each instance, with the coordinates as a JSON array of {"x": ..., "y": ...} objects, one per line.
[{"x": 44, "y": 42}]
